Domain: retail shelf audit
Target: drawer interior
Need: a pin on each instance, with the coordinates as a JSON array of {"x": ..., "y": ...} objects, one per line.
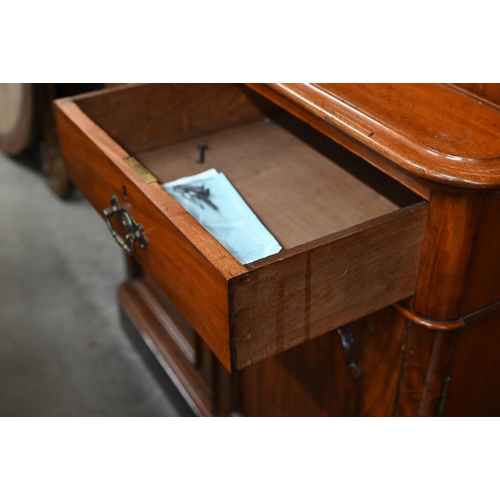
[
  {"x": 351, "y": 236},
  {"x": 302, "y": 185}
]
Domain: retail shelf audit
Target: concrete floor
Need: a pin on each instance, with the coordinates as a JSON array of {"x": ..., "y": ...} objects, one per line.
[{"x": 62, "y": 349}]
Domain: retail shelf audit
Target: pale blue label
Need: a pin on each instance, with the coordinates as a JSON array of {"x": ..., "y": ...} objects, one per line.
[{"x": 214, "y": 202}]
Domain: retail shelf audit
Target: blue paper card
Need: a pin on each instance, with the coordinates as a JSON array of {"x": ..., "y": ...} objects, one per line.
[{"x": 214, "y": 202}]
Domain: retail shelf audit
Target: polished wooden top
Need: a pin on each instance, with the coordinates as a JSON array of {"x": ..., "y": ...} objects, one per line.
[{"x": 435, "y": 132}]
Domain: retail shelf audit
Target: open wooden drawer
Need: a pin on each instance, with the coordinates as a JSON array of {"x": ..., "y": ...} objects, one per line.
[{"x": 351, "y": 236}]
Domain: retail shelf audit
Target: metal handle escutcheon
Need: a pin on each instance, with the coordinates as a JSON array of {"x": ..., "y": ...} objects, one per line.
[{"x": 134, "y": 230}]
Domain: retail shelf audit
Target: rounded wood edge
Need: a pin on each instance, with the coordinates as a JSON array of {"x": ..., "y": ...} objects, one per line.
[
  {"x": 428, "y": 323},
  {"x": 450, "y": 325},
  {"x": 413, "y": 157}
]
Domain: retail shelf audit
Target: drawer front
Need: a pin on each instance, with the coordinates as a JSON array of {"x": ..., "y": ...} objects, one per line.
[
  {"x": 95, "y": 165},
  {"x": 246, "y": 313}
]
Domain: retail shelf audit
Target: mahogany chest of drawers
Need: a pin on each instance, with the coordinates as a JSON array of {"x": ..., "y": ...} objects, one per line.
[{"x": 384, "y": 299}]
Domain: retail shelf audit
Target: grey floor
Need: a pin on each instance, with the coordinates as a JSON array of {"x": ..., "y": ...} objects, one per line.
[{"x": 62, "y": 349}]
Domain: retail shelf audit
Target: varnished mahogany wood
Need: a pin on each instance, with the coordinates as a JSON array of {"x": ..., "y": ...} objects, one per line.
[
  {"x": 170, "y": 113},
  {"x": 438, "y": 140},
  {"x": 485, "y": 91},
  {"x": 426, "y": 364},
  {"x": 155, "y": 363},
  {"x": 310, "y": 115},
  {"x": 484, "y": 286},
  {"x": 298, "y": 298},
  {"x": 451, "y": 234},
  {"x": 368, "y": 265},
  {"x": 436, "y": 133},
  {"x": 475, "y": 373},
  {"x": 448, "y": 325},
  {"x": 431, "y": 324},
  {"x": 156, "y": 325},
  {"x": 313, "y": 379},
  {"x": 96, "y": 166},
  {"x": 449, "y": 242},
  {"x": 287, "y": 183}
]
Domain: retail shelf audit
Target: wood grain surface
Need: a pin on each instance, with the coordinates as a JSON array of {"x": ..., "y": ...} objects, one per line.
[
  {"x": 197, "y": 287},
  {"x": 197, "y": 374},
  {"x": 450, "y": 241},
  {"x": 378, "y": 257},
  {"x": 314, "y": 379},
  {"x": 485, "y": 91},
  {"x": 451, "y": 233},
  {"x": 150, "y": 318},
  {"x": 343, "y": 138},
  {"x": 286, "y": 182},
  {"x": 294, "y": 299},
  {"x": 484, "y": 286},
  {"x": 474, "y": 388},
  {"x": 362, "y": 253},
  {"x": 143, "y": 117},
  {"x": 434, "y": 132}
]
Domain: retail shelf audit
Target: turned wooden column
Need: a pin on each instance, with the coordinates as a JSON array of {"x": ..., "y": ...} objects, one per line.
[{"x": 457, "y": 278}]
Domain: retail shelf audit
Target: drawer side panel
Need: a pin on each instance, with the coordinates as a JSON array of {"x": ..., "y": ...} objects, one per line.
[
  {"x": 195, "y": 286},
  {"x": 360, "y": 271}
]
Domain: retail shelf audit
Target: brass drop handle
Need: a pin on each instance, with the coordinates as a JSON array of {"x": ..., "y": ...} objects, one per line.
[{"x": 134, "y": 231}]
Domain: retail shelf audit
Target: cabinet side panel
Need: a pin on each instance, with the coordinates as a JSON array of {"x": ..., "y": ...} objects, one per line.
[
  {"x": 485, "y": 269},
  {"x": 474, "y": 388}
]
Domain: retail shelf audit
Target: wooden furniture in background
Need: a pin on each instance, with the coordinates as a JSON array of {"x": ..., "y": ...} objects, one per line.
[
  {"x": 378, "y": 302},
  {"x": 18, "y": 116},
  {"x": 27, "y": 125}
]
